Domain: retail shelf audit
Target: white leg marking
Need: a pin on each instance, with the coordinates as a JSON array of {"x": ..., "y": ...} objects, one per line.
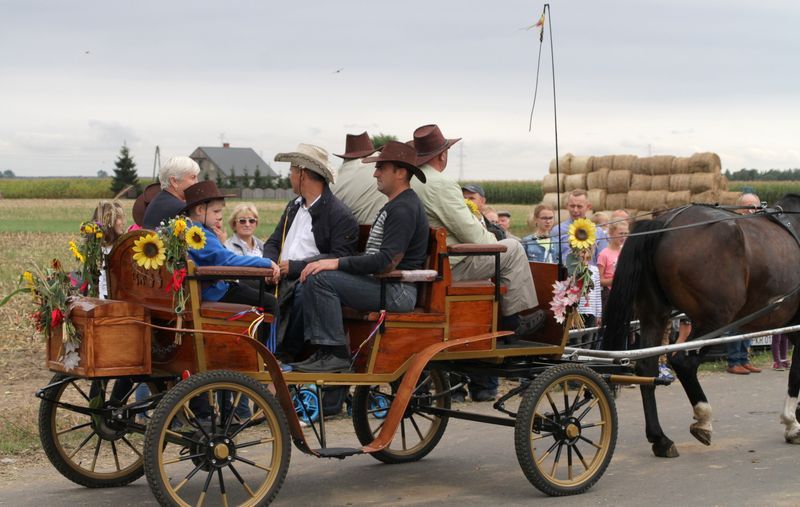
[
  {"x": 702, "y": 414},
  {"x": 788, "y": 418}
]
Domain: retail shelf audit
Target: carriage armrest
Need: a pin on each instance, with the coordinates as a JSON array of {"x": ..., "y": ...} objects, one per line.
[
  {"x": 476, "y": 248},
  {"x": 224, "y": 272},
  {"x": 409, "y": 275}
]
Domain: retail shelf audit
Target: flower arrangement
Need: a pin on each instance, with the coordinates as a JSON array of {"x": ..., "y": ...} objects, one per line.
[
  {"x": 90, "y": 256},
  {"x": 581, "y": 235}
]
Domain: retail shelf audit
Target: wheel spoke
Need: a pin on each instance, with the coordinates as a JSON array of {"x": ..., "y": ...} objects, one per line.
[
  {"x": 73, "y": 428},
  {"x": 589, "y": 442},
  {"x": 416, "y": 428},
  {"x": 556, "y": 460},
  {"x": 403, "y": 433},
  {"x": 569, "y": 462},
  {"x": 85, "y": 440},
  {"x": 233, "y": 412},
  {"x": 547, "y": 453},
  {"x": 250, "y": 421},
  {"x": 423, "y": 383},
  {"x": 131, "y": 446},
  {"x": 264, "y": 440},
  {"x": 553, "y": 406},
  {"x": 214, "y": 409},
  {"x": 565, "y": 393},
  {"x": 535, "y": 437},
  {"x": 577, "y": 399},
  {"x": 253, "y": 464},
  {"x": 376, "y": 430},
  {"x": 116, "y": 455},
  {"x": 188, "y": 477},
  {"x": 77, "y": 388},
  {"x": 96, "y": 452},
  {"x": 241, "y": 480},
  {"x": 580, "y": 457},
  {"x": 222, "y": 488},
  {"x": 426, "y": 416},
  {"x": 593, "y": 425},
  {"x": 593, "y": 403}
]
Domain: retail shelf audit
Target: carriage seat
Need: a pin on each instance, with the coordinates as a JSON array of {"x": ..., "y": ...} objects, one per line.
[{"x": 474, "y": 287}]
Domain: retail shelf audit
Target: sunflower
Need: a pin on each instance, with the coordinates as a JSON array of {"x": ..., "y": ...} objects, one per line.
[
  {"x": 195, "y": 238},
  {"x": 88, "y": 228},
  {"x": 28, "y": 278},
  {"x": 582, "y": 234},
  {"x": 180, "y": 226},
  {"x": 473, "y": 208},
  {"x": 149, "y": 252},
  {"x": 78, "y": 255}
]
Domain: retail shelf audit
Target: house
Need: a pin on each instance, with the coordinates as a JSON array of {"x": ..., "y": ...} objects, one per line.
[{"x": 228, "y": 162}]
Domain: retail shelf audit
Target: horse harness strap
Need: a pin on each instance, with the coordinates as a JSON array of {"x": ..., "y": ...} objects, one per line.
[{"x": 779, "y": 217}]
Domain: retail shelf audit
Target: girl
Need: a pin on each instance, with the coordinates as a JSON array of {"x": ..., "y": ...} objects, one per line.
[{"x": 111, "y": 217}]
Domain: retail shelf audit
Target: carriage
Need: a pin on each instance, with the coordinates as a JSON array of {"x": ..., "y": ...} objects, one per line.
[{"x": 218, "y": 417}]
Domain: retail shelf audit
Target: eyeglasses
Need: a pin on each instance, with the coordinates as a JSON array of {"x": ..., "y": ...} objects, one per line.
[
  {"x": 546, "y": 218},
  {"x": 243, "y": 221}
]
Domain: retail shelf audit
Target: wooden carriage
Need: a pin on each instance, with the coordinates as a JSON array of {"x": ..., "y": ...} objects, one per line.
[{"x": 206, "y": 363}]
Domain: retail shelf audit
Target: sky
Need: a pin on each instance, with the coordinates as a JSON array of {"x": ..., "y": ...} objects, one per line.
[{"x": 79, "y": 78}]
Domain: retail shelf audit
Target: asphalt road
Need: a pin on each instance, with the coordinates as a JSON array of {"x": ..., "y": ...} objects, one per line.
[{"x": 748, "y": 463}]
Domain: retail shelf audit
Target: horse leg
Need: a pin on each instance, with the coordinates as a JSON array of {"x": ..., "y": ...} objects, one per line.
[
  {"x": 662, "y": 446},
  {"x": 685, "y": 366},
  {"x": 790, "y": 409}
]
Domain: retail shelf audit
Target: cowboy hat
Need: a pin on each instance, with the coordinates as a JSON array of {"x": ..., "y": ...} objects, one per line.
[
  {"x": 429, "y": 142},
  {"x": 200, "y": 193},
  {"x": 400, "y": 154},
  {"x": 357, "y": 146},
  {"x": 141, "y": 202},
  {"x": 310, "y": 157}
]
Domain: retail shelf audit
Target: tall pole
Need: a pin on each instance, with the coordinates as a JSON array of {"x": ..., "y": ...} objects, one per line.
[{"x": 156, "y": 162}]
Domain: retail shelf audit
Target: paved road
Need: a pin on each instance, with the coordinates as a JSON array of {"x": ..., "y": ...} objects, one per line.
[{"x": 747, "y": 464}]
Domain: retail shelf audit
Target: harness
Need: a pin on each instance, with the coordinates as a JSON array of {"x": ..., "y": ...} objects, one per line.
[{"x": 778, "y": 216}]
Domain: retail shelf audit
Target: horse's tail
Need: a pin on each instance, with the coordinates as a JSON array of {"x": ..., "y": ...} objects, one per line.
[{"x": 635, "y": 261}]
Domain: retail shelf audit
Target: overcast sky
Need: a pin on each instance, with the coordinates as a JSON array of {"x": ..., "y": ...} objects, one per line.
[{"x": 674, "y": 77}]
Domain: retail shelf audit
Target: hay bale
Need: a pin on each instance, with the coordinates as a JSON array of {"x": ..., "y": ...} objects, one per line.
[
  {"x": 579, "y": 165},
  {"x": 640, "y": 166},
  {"x": 703, "y": 182},
  {"x": 616, "y": 201},
  {"x": 641, "y": 181},
  {"x": 678, "y": 198},
  {"x": 597, "y": 197},
  {"x": 597, "y": 179},
  {"x": 729, "y": 198},
  {"x": 660, "y": 182},
  {"x": 575, "y": 181},
  {"x": 708, "y": 197},
  {"x": 564, "y": 164},
  {"x": 623, "y": 162},
  {"x": 552, "y": 184},
  {"x": 653, "y": 199},
  {"x": 705, "y": 162},
  {"x": 680, "y": 165},
  {"x": 552, "y": 199},
  {"x": 618, "y": 181},
  {"x": 604, "y": 161},
  {"x": 660, "y": 164},
  {"x": 679, "y": 182},
  {"x": 723, "y": 184},
  {"x": 636, "y": 199}
]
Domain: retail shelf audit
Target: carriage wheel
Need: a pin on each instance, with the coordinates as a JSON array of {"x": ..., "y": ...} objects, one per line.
[
  {"x": 566, "y": 430},
  {"x": 306, "y": 405},
  {"x": 198, "y": 450},
  {"x": 418, "y": 433},
  {"x": 92, "y": 450}
]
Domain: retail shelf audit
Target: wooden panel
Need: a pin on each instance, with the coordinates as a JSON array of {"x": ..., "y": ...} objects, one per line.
[
  {"x": 418, "y": 315},
  {"x": 358, "y": 331},
  {"x": 227, "y": 352},
  {"x": 169, "y": 357},
  {"x": 399, "y": 344},
  {"x": 544, "y": 276},
  {"x": 473, "y": 288},
  {"x": 469, "y": 318}
]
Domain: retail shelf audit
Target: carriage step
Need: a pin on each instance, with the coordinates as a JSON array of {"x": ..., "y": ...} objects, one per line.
[{"x": 337, "y": 452}]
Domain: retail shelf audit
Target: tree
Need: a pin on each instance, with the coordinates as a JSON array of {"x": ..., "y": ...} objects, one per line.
[
  {"x": 258, "y": 180},
  {"x": 245, "y": 179},
  {"x": 125, "y": 172},
  {"x": 102, "y": 173},
  {"x": 381, "y": 139},
  {"x": 8, "y": 173},
  {"x": 219, "y": 180}
]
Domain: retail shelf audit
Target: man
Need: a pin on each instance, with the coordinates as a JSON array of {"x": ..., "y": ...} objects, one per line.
[
  {"x": 504, "y": 221},
  {"x": 316, "y": 225},
  {"x": 354, "y": 185},
  {"x": 476, "y": 194},
  {"x": 579, "y": 207},
  {"x": 445, "y": 207},
  {"x": 398, "y": 240},
  {"x": 738, "y": 352},
  {"x": 178, "y": 174}
]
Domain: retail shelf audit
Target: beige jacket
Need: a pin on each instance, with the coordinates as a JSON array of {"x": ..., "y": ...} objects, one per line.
[{"x": 356, "y": 188}]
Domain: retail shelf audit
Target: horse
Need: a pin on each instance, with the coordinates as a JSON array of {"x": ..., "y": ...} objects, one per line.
[{"x": 716, "y": 267}]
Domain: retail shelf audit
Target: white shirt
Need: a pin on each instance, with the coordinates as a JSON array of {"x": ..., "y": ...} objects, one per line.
[{"x": 299, "y": 243}]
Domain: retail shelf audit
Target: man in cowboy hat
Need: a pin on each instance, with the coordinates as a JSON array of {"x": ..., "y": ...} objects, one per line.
[
  {"x": 315, "y": 225},
  {"x": 353, "y": 186},
  {"x": 178, "y": 174},
  {"x": 398, "y": 240}
]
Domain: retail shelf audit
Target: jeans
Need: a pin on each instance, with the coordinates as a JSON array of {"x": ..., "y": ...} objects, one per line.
[
  {"x": 737, "y": 352},
  {"x": 325, "y": 292}
]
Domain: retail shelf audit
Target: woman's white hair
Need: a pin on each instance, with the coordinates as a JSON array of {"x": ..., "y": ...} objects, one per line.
[{"x": 178, "y": 168}]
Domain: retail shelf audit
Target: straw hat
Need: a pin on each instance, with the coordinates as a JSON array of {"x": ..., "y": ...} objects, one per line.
[
  {"x": 401, "y": 154},
  {"x": 310, "y": 157},
  {"x": 357, "y": 146}
]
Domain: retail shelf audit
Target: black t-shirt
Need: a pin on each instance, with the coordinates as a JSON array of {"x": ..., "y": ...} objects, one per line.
[
  {"x": 163, "y": 207},
  {"x": 398, "y": 238}
]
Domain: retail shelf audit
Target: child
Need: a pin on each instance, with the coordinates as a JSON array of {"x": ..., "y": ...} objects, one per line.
[
  {"x": 780, "y": 347},
  {"x": 111, "y": 217},
  {"x": 607, "y": 260},
  {"x": 590, "y": 306}
]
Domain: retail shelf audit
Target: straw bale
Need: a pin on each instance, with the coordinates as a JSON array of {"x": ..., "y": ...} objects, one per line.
[
  {"x": 660, "y": 164},
  {"x": 636, "y": 199},
  {"x": 640, "y": 166},
  {"x": 703, "y": 182},
  {"x": 604, "y": 161},
  {"x": 551, "y": 184},
  {"x": 678, "y": 198},
  {"x": 618, "y": 181},
  {"x": 654, "y": 199},
  {"x": 597, "y": 179},
  {"x": 729, "y": 198},
  {"x": 579, "y": 165},
  {"x": 616, "y": 201},
  {"x": 723, "y": 183},
  {"x": 575, "y": 181},
  {"x": 552, "y": 199},
  {"x": 634, "y": 214},
  {"x": 641, "y": 182},
  {"x": 598, "y": 198},
  {"x": 710, "y": 196},
  {"x": 680, "y": 165},
  {"x": 623, "y": 162},
  {"x": 679, "y": 182},
  {"x": 564, "y": 164},
  {"x": 660, "y": 182},
  {"x": 705, "y": 162}
]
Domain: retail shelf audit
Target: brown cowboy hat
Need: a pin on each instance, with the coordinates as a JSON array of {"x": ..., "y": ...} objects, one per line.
[
  {"x": 200, "y": 193},
  {"x": 141, "y": 202},
  {"x": 429, "y": 142},
  {"x": 357, "y": 146},
  {"x": 400, "y": 154}
]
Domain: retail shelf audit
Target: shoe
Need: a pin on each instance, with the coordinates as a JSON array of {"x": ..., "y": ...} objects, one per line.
[
  {"x": 786, "y": 364},
  {"x": 751, "y": 368},
  {"x": 778, "y": 366},
  {"x": 738, "y": 369},
  {"x": 530, "y": 324},
  {"x": 310, "y": 359},
  {"x": 483, "y": 395},
  {"x": 326, "y": 362},
  {"x": 664, "y": 373},
  {"x": 458, "y": 396}
]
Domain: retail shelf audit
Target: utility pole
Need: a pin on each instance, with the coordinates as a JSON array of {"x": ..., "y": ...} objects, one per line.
[
  {"x": 156, "y": 162},
  {"x": 221, "y": 138},
  {"x": 649, "y": 150}
]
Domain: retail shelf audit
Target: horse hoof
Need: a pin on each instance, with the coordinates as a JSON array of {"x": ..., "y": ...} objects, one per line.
[
  {"x": 666, "y": 452},
  {"x": 703, "y": 435},
  {"x": 793, "y": 438}
]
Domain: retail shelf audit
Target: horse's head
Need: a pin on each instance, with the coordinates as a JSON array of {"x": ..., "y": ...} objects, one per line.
[{"x": 789, "y": 202}]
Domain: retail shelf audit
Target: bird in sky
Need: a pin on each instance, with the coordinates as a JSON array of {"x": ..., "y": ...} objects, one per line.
[{"x": 337, "y": 71}]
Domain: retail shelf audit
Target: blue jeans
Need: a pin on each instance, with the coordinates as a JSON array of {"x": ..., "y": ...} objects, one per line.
[
  {"x": 737, "y": 352},
  {"x": 325, "y": 292}
]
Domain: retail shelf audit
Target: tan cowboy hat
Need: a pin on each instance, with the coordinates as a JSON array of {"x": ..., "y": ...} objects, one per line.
[
  {"x": 401, "y": 154},
  {"x": 429, "y": 142},
  {"x": 357, "y": 146},
  {"x": 200, "y": 193},
  {"x": 310, "y": 157}
]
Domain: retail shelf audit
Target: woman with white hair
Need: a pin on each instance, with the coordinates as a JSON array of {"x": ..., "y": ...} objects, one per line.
[
  {"x": 243, "y": 222},
  {"x": 178, "y": 174}
]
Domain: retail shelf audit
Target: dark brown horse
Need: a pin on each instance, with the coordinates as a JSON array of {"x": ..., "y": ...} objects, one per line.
[{"x": 716, "y": 273}]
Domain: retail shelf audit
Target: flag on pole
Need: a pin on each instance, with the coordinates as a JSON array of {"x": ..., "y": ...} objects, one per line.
[{"x": 540, "y": 25}]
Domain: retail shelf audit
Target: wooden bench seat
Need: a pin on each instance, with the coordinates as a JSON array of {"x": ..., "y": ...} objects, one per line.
[
  {"x": 418, "y": 315},
  {"x": 473, "y": 288}
]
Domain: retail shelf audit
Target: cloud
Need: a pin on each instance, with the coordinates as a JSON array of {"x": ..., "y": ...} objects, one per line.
[{"x": 111, "y": 134}]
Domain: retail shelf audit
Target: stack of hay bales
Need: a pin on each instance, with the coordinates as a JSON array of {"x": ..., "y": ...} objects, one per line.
[{"x": 640, "y": 183}]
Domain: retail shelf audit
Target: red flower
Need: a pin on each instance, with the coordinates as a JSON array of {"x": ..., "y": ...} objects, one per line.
[
  {"x": 176, "y": 282},
  {"x": 56, "y": 318},
  {"x": 84, "y": 285}
]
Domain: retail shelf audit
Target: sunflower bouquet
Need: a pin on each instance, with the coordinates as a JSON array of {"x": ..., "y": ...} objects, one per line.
[
  {"x": 567, "y": 294},
  {"x": 89, "y": 253}
]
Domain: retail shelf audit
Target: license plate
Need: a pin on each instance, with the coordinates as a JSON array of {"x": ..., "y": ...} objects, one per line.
[{"x": 761, "y": 341}]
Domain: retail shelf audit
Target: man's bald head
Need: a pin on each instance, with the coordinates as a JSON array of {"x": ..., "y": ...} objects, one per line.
[{"x": 748, "y": 200}]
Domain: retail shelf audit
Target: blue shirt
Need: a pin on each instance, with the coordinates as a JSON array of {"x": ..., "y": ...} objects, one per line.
[
  {"x": 563, "y": 230},
  {"x": 215, "y": 254}
]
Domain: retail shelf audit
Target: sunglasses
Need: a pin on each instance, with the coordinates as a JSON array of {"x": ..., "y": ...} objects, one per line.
[{"x": 243, "y": 221}]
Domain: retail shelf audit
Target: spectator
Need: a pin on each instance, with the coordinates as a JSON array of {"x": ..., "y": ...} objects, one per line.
[
  {"x": 780, "y": 349},
  {"x": 354, "y": 184},
  {"x": 504, "y": 221},
  {"x": 178, "y": 174},
  {"x": 607, "y": 260},
  {"x": 243, "y": 222},
  {"x": 111, "y": 217},
  {"x": 579, "y": 207},
  {"x": 489, "y": 218},
  {"x": 540, "y": 246},
  {"x": 590, "y": 307},
  {"x": 601, "y": 219}
]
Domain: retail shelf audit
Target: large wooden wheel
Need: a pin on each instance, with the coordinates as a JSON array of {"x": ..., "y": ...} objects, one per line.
[
  {"x": 566, "y": 430},
  {"x": 419, "y": 432},
  {"x": 199, "y": 450},
  {"x": 89, "y": 449}
]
